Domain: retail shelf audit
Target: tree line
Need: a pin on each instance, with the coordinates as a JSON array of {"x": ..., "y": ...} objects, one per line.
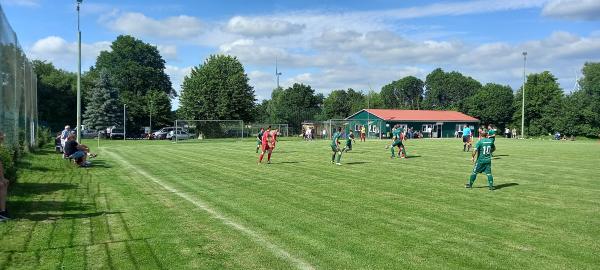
[{"x": 133, "y": 74}]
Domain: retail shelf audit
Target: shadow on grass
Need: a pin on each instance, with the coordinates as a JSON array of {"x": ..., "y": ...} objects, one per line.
[
  {"x": 289, "y": 162},
  {"x": 98, "y": 163},
  {"x": 27, "y": 189},
  {"x": 44, "y": 216},
  {"x": 24, "y": 207},
  {"x": 501, "y": 155},
  {"x": 357, "y": 162},
  {"x": 501, "y": 186}
]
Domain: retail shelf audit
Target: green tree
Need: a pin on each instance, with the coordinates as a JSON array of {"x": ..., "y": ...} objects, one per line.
[
  {"x": 103, "y": 107},
  {"x": 357, "y": 101},
  {"x": 57, "y": 95},
  {"x": 374, "y": 100},
  {"x": 336, "y": 105},
  {"x": 581, "y": 109},
  {"x": 492, "y": 104},
  {"x": 217, "y": 89},
  {"x": 158, "y": 108},
  {"x": 448, "y": 90},
  {"x": 543, "y": 104},
  {"x": 406, "y": 93},
  {"x": 295, "y": 105},
  {"x": 135, "y": 68}
]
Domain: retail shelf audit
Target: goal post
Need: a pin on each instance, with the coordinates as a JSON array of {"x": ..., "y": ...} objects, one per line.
[
  {"x": 252, "y": 129},
  {"x": 197, "y": 130}
]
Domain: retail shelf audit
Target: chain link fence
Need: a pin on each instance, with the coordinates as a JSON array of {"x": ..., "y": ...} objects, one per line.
[{"x": 18, "y": 90}]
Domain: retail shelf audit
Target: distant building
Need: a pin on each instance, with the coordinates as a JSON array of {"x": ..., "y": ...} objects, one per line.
[{"x": 435, "y": 124}]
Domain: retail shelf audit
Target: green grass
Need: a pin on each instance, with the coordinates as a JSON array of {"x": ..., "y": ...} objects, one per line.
[{"x": 158, "y": 205}]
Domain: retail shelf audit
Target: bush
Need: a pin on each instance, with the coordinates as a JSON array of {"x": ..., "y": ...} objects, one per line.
[
  {"x": 6, "y": 157},
  {"x": 43, "y": 136}
]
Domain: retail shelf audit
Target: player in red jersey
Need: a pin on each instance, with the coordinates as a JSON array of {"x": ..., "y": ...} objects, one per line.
[{"x": 266, "y": 146}]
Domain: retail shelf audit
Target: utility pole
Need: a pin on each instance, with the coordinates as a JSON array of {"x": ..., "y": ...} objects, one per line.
[
  {"x": 78, "y": 75},
  {"x": 523, "y": 105}
]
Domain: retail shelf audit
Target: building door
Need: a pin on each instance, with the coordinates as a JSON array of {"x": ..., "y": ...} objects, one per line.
[{"x": 439, "y": 129}]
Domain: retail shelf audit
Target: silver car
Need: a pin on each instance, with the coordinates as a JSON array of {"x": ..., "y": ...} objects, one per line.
[{"x": 181, "y": 135}]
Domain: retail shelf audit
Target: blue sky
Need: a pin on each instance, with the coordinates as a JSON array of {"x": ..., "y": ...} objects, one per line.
[{"x": 327, "y": 44}]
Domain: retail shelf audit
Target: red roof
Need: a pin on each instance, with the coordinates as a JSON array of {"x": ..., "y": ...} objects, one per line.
[{"x": 421, "y": 115}]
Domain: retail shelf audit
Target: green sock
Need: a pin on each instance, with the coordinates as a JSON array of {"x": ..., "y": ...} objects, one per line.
[
  {"x": 392, "y": 150},
  {"x": 333, "y": 157},
  {"x": 490, "y": 180},
  {"x": 472, "y": 179},
  {"x": 339, "y": 157}
]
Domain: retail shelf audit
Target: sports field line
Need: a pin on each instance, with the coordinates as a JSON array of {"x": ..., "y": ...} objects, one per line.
[{"x": 256, "y": 237}]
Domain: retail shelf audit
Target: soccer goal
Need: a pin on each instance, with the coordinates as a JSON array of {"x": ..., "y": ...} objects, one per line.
[
  {"x": 198, "y": 130},
  {"x": 253, "y": 129}
]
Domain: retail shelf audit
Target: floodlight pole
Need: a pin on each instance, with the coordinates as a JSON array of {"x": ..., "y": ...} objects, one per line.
[
  {"x": 78, "y": 75},
  {"x": 523, "y": 95},
  {"x": 124, "y": 122}
]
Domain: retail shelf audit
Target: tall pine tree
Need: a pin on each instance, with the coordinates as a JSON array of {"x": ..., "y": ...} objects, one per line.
[{"x": 103, "y": 109}]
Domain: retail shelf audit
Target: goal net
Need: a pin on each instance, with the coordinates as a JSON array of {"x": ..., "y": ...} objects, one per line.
[
  {"x": 251, "y": 130},
  {"x": 198, "y": 130}
]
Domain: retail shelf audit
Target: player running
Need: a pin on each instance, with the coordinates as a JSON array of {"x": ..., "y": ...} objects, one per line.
[
  {"x": 335, "y": 147},
  {"x": 467, "y": 139},
  {"x": 397, "y": 138},
  {"x": 259, "y": 138},
  {"x": 483, "y": 151},
  {"x": 349, "y": 141},
  {"x": 266, "y": 146}
]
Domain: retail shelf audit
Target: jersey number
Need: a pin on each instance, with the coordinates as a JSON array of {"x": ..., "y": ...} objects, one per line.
[{"x": 487, "y": 150}]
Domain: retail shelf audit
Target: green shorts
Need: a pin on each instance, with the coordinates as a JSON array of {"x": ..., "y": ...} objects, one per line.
[
  {"x": 334, "y": 148},
  {"x": 482, "y": 168},
  {"x": 397, "y": 143},
  {"x": 258, "y": 142}
]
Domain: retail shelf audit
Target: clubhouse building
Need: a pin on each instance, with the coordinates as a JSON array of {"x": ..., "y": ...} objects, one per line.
[{"x": 434, "y": 124}]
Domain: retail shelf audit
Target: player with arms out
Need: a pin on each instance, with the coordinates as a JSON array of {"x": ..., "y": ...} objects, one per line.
[
  {"x": 335, "y": 147},
  {"x": 265, "y": 146},
  {"x": 467, "y": 139},
  {"x": 483, "y": 152},
  {"x": 259, "y": 138}
]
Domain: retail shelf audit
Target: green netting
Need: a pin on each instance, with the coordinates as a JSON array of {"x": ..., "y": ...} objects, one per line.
[{"x": 18, "y": 90}]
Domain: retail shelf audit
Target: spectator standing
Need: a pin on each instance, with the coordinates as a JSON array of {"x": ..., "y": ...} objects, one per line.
[
  {"x": 324, "y": 133},
  {"x": 363, "y": 133},
  {"x": 64, "y": 135}
]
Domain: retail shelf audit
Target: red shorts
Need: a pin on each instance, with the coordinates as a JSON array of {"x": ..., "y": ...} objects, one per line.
[{"x": 265, "y": 147}]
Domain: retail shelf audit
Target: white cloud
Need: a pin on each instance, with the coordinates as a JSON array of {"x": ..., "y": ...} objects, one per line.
[
  {"x": 573, "y": 9},
  {"x": 180, "y": 27},
  {"x": 64, "y": 54},
  {"x": 168, "y": 52},
  {"x": 23, "y": 3},
  {"x": 262, "y": 27}
]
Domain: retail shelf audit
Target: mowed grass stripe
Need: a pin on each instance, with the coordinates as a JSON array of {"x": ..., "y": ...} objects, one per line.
[
  {"x": 222, "y": 149},
  {"x": 298, "y": 262}
]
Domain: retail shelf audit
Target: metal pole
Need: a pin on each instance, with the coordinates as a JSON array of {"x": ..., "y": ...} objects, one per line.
[
  {"x": 523, "y": 95},
  {"x": 124, "y": 122},
  {"x": 242, "y": 130},
  {"x": 78, "y": 76}
]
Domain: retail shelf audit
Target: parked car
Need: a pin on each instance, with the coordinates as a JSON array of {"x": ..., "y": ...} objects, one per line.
[
  {"x": 89, "y": 134},
  {"x": 162, "y": 133},
  {"x": 181, "y": 135},
  {"x": 116, "y": 133}
]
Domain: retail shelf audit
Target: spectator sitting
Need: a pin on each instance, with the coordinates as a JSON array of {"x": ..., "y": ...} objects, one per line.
[
  {"x": 77, "y": 152},
  {"x": 3, "y": 187}
]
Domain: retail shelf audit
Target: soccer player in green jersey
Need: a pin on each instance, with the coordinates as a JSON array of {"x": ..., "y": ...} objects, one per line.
[
  {"x": 349, "y": 141},
  {"x": 259, "y": 138},
  {"x": 483, "y": 152},
  {"x": 492, "y": 136},
  {"x": 397, "y": 137},
  {"x": 335, "y": 147}
]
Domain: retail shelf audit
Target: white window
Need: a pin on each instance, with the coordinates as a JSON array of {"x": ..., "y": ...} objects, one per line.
[{"x": 427, "y": 128}]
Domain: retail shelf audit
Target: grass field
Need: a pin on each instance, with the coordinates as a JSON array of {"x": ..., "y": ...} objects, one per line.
[{"x": 157, "y": 205}]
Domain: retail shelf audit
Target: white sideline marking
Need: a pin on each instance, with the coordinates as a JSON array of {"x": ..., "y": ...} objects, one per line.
[{"x": 301, "y": 264}]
